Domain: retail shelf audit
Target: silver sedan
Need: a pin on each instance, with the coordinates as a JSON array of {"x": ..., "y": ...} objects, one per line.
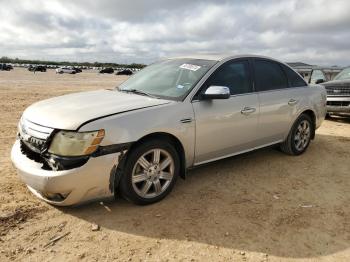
[{"x": 137, "y": 139}]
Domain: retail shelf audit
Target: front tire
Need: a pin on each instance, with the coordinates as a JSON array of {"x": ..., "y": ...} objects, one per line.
[
  {"x": 299, "y": 137},
  {"x": 150, "y": 172}
]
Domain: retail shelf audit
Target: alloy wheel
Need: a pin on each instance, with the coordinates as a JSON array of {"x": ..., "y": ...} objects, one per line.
[
  {"x": 153, "y": 173},
  {"x": 302, "y": 135}
]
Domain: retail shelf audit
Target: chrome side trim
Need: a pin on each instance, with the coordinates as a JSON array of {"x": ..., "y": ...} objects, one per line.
[
  {"x": 243, "y": 94},
  {"x": 282, "y": 89},
  {"x": 259, "y": 92}
]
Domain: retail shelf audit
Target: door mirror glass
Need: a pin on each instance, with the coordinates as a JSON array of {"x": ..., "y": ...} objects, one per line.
[
  {"x": 319, "y": 81},
  {"x": 216, "y": 92}
]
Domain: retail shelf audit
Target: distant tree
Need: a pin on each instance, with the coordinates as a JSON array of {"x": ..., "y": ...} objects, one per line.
[{"x": 5, "y": 59}]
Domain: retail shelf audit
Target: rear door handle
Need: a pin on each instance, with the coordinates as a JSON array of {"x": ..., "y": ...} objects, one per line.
[
  {"x": 248, "y": 110},
  {"x": 292, "y": 102}
]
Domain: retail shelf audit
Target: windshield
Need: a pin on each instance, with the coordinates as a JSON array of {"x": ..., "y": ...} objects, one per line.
[
  {"x": 344, "y": 74},
  {"x": 169, "y": 79}
]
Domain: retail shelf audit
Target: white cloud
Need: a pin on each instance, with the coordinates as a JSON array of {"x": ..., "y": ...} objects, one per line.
[{"x": 143, "y": 31}]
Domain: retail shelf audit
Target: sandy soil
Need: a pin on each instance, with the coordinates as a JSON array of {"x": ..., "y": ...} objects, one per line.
[{"x": 260, "y": 206}]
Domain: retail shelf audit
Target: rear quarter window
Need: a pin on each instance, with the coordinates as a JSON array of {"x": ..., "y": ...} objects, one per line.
[{"x": 295, "y": 80}]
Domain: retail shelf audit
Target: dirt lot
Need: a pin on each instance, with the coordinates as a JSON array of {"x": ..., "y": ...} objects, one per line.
[{"x": 261, "y": 206}]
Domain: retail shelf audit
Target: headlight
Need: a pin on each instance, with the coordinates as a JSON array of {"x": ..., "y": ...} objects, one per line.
[{"x": 68, "y": 143}]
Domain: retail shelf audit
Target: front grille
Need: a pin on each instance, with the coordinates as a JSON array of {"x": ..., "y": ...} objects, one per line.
[
  {"x": 339, "y": 103},
  {"x": 338, "y": 91},
  {"x": 35, "y": 130},
  {"x": 33, "y": 135}
]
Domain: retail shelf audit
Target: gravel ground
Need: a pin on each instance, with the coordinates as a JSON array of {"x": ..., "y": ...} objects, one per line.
[{"x": 260, "y": 206}]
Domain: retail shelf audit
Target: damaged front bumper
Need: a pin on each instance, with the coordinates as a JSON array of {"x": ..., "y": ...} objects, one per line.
[{"x": 90, "y": 181}]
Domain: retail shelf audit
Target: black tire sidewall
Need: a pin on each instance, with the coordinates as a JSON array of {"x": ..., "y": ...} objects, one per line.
[
  {"x": 126, "y": 187},
  {"x": 294, "y": 129}
]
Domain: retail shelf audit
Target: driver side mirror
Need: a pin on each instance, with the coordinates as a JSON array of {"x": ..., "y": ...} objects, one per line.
[
  {"x": 216, "y": 92},
  {"x": 319, "y": 81}
]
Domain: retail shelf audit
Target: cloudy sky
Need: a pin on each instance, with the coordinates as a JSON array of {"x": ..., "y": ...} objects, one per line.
[{"x": 312, "y": 31}]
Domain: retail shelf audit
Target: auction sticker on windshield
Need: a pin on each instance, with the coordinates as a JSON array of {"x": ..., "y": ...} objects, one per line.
[{"x": 190, "y": 67}]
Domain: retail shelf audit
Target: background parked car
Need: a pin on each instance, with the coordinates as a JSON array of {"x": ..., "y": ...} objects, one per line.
[
  {"x": 338, "y": 93},
  {"x": 65, "y": 70},
  {"x": 107, "y": 70},
  {"x": 37, "y": 68},
  {"x": 77, "y": 70},
  {"x": 124, "y": 72},
  {"x": 5, "y": 67}
]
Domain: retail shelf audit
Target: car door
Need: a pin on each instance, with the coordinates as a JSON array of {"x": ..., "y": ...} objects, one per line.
[
  {"x": 278, "y": 100},
  {"x": 226, "y": 126}
]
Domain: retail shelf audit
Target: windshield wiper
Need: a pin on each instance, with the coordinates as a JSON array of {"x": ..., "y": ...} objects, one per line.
[{"x": 136, "y": 91}]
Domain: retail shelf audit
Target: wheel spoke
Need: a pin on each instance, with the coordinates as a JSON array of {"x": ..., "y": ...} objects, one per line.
[
  {"x": 307, "y": 131},
  {"x": 139, "y": 178},
  {"x": 304, "y": 142},
  {"x": 165, "y": 163},
  {"x": 304, "y": 125},
  {"x": 298, "y": 144},
  {"x": 146, "y": 187},
  {"x": 156, "y": 156},
  {"x": 157, "y": 186},
  {"x": 144, "y": 163},
  {"x": 296, "y": 137},
  {"x": 165, "y": 175}
]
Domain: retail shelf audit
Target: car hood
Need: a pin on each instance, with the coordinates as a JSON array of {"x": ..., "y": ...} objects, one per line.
[
  {"x": 70, "y": 111},
  {"x": 340, "y": 83}
]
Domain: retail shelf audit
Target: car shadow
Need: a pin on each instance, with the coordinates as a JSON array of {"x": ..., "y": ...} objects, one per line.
[{"x": 263, "y": 201}]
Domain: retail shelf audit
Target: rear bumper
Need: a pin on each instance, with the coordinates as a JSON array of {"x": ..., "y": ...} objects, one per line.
[{"x": 67, "y": 187}]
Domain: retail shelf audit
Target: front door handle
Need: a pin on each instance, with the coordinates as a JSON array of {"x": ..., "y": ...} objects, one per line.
[
  {"x": 248, "y": 110},
  {"x": 292, "y": 102},
  {"x": 186, "y": 120}
]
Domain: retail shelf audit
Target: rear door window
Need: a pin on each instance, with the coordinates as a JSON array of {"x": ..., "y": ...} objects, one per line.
[{"x": 269, "y": 75}]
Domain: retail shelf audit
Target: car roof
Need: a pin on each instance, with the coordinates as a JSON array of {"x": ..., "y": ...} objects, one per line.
[{"x": 220, "y": 57}]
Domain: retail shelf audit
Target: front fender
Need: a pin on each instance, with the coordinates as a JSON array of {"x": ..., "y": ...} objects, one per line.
[{"x": 132, "y": 126}]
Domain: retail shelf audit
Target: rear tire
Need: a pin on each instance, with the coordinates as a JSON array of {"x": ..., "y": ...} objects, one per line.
[
  {"x": 299, "y": 137},
  {"x": 150, "y": 172}
]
